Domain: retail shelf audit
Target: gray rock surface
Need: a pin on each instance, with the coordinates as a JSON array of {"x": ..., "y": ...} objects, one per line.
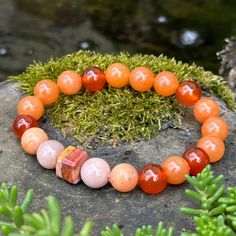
[{"x": 106, "y": 206}]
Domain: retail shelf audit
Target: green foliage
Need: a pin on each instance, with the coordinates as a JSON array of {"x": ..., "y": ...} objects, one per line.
[{"x": 114, "y": 115}]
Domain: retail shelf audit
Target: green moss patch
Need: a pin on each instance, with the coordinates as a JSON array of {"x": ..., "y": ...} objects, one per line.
[{"x": 115, "y": 115}]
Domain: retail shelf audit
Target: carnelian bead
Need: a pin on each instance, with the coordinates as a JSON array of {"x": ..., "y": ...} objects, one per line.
[
  {"x": 93, "y": 79},
  {"x": 69, "y": 82},
  {"x": 205, "y": 108},
  {"x": 152, "y": 179},
  {"x": 213, "y": 146},
  {"x": 141, "y": 79},
  {"x": 117, "y": 75},
  {"x": 215, "y": 126},
  {"x": 188, "y": 93},
  {"x": 175, "y": 169},
  {"x": 22, "y": 123},
  {"x": 124, "y": 177},
  {"x": 47, "y": 91},
  {"x": 31, "y": 105},
  {"x": 166, "y": 83},
  {"x": 197, "y": 159}
]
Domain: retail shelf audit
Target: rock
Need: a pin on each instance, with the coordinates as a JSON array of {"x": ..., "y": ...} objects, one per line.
[{"x": 106, "y": 206}]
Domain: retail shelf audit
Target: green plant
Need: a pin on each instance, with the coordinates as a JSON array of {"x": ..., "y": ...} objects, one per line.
[{"x": 215, "y": 217}]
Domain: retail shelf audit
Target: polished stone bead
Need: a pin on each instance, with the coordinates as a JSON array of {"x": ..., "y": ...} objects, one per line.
[
  {"x": 95, "y": 172},
  {"x": 48, "y": 153},
  {"x": 69, "y": 164}
]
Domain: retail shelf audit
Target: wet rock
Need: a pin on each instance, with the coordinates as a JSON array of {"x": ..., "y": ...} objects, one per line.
[{"x": 106, "y": 206}]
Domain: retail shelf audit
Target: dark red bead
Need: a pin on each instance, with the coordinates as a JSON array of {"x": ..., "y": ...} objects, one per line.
[
  {"x": 152, "y": 179},
  {"x": 93, "y": 79},
  {"x": 197, "y": 159},
  {"x": 22, "y": 123}
]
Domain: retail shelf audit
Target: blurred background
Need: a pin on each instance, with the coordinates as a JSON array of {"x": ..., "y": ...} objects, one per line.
[{"x": 189, "y": 30}]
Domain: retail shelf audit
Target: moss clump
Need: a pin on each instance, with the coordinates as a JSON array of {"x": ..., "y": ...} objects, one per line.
[{"x": 113, "y": 115}]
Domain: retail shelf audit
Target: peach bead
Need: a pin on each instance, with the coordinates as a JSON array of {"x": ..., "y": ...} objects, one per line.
[
  {"x": 166, "y": 83},
  {"x": 215, "y": 126},
  {"x": 175, "y": 169},
  {"x": 117, "y": 75},
  {"x": 69, "y": 82},
  {"x": 141, "y": 79},
  {"x": 32, "y": 106},
  {"x": 124, "y": 177},
  {"x": 47, "y": 91},
  {"x": 205, "y": 108},
  {"x": 213, "y": 146},
  {"x": 32, "y": 138}
]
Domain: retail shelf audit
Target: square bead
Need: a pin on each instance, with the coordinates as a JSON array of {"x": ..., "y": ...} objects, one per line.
[{"x": 69, "y": 164}]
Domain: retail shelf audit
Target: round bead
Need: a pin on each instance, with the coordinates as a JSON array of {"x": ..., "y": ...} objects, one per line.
[
  {"x": 31, "y": 105},
  {"x": 188, "y": 93},
  {"x": 93, "y": 79},
  {"x": 205, "y": 108},
  {"x": 48, "y": 152},
  {"x": 47, "y": 91},
  {"x": 215, "y": 126},
  {"x": 117, "y": 75},
  {"x": 95, "y": 172},
  {"x": 22, "y": 123},
  {"x": 152, "y": 179},
  {"x": 197, "y": 159},
  {"x": 141, "y": 79},
  {"x": 69, "y": 82},
  {"x": 32, "y": 138},
  {"x": 213, "y": 146},
  {"x": 175, "y": 169},
  {"x": 166, "y": 83},
  {"x": 124, "y": 177}
]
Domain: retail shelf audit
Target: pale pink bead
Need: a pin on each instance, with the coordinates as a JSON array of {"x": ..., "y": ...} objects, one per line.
[
  {"x": 48, "y": 152},
  {"x": 32, "y": 138},
  {"x": 95, "y": 172}
]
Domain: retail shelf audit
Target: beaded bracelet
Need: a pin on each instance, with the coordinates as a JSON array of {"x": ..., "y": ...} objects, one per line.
[{"x": 73, "y": 164}]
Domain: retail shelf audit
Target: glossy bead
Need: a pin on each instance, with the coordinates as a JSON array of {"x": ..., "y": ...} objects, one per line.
[
  {"x": 32, "y": 138},
  {"x": 188, "y": 93},
  {"x": 205, "y": 108},
  {"x": 47, "y": 91},
  {"x": 117, "y": 75},
  {"x": 22, "y": 123},
  {"x": 93, "y": 79},
  {"x": 197, "y": 159},
  {"x": 95, "y": 172},
  {"x": 141, "y": 79},
  {"x": 175, "y": 169},
  {"x": 124, "y": 177},
  {"x": 166, "y": 83},
  {"x": 31, "y": 105},
  {"x": 215, "y": 126},
  {"x": 69, "y": 82},
  {"x": 152, "y": 179},
  {"x": 213, "y": 146},
  {"x": 48, "y": 153}
]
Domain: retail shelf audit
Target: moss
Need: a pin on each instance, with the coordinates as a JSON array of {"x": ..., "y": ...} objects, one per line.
[{"x": 114, "y": 115}]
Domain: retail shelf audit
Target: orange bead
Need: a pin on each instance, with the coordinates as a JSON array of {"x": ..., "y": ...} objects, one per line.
[
  {"x": 141, "y": 79},
  {"x": 69, "y": 82},
  {"x": 188, "y": 93},
  {"x": 117, "y": 75},
  {"x": 32, "y": 138},
  {"x": 215, "y": 126},
  {"x": 175, "y": 169},
  {"x": 31, "y": 105},
  {"x": 166, "y": 83},
  {"x": 47, "y": 91},
  {"x": 124, "y": 177},
  {"x": 213, "y": 146},
  {"x": 205, "y": 108}
]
